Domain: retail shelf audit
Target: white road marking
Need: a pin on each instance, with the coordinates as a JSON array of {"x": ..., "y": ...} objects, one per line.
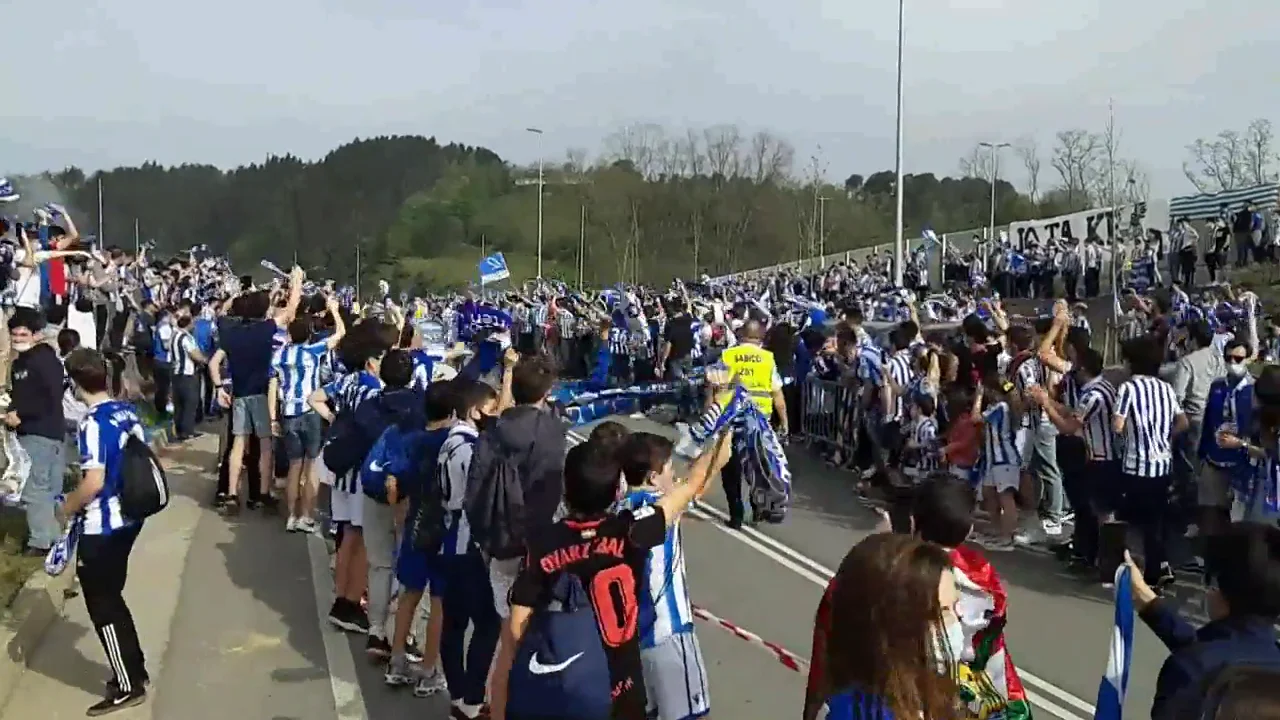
[
  {"x": 347, "y": 696},
  {"x": 817, "y": 573}
]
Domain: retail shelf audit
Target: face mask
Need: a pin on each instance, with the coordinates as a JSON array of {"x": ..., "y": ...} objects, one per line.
[
  {"x": 1236, "y": 370},
  {"x": 948, "y": 644},
  {"x": 484, "y": 422},
  {"x": 22, "y": 346}
]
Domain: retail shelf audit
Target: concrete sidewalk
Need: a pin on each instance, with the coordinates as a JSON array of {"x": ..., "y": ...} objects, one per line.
[
  {"x": 68, "y": 671},
  {"x": 225, "y": 613}
]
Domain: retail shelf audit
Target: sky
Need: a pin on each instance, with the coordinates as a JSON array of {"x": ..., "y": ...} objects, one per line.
[{"x": 232, "y": 82}]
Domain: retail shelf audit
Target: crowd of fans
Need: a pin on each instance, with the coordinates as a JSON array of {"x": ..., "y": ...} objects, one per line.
[{"x": 428, "y": 437}]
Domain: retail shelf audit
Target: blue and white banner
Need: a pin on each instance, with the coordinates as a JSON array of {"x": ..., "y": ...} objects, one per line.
[
  {"x": 493, "y": 269},
  {"x": 7, "y": 193},
  {"x": 1205, "y": 206},
  {"x": 1115, "y": 682}
]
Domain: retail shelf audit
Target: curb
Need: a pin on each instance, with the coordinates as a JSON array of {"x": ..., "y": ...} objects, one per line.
[{"x": 38, "y": 603}]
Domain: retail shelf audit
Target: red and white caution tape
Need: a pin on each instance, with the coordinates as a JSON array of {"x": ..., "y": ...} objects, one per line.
[{"x": 786, "y": 657}]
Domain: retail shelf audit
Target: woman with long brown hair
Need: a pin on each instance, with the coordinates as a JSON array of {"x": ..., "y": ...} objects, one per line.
[{"x": 895, "y": 639}]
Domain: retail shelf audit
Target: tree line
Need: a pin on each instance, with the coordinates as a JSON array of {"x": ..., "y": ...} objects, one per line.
[{"x": 650, "y": 206}]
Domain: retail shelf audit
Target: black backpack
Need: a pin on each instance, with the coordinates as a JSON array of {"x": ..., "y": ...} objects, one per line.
[
  {"x": 144, "y": 489},
  {"x": 495, "y": 506},
  {"x": 353, "y": 434},
  {"x": 431, "y": 522}
]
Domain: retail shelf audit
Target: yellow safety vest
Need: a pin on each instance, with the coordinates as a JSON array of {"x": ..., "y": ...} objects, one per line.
[{"x": 754, "y": 367}]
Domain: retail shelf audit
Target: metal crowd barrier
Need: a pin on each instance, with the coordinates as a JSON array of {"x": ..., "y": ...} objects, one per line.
[{"x": 829, "y": 415}]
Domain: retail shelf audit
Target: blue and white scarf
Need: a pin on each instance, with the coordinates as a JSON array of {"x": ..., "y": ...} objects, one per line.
[
  {"x": 764, "y": 461},
  {"x": 60, "y": 553}
]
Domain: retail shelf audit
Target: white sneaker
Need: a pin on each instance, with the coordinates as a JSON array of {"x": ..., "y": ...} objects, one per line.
[
  {"x": 291, "y": 525},
  {"x": 993, "y": 543},
  {"x": 1024, "y": 539},
  {"x": 307, "y": 525},
  {"x": 430, "y": 684},
  {"x": 1052, "y": 528}
]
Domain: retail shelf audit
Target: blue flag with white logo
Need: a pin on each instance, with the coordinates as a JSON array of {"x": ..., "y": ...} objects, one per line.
[
  {"x": 7, "y": 193},
  {"x": 493, "y": 269}
]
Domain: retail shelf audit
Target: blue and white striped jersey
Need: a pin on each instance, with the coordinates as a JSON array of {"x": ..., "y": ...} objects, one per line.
[
  {"x": 900, "y": 371},
  {"x": 1096, "y": 404},
  {"x": 101, "y": 436},
  {"x": 924, "y": 436},
  {"x": 423, "y": 365},
  {"x": 1149, "y": 406},
  {"x": 870, "y": 364},
  {"x": 345, "y": 395},
  {"x": 999, "y": 439},
  {"x": 180, "y": 352},
  {"x": 297, "y": 366},
  {"x": 665, "y": 610},
  {"x": 619, "y": 341},
  {"x": 452, "y": 465}
]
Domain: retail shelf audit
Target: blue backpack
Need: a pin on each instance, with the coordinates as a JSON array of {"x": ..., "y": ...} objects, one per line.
[
  {"x": 560, "y": 668},
  {"x": 386, "y": 457}
]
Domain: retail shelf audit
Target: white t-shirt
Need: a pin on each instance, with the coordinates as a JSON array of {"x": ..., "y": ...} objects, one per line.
[
  {"x": 27, "y": 286},
  {"x": 85, "y": 324}
]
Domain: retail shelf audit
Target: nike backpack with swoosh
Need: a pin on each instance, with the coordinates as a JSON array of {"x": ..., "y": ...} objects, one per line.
[
  {"x": 374, "y": 469},
  {"x": 560, "y": 668}
]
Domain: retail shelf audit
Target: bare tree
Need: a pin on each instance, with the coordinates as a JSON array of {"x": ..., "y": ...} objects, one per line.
[
  {"x": 977, "y": 164},
  {"x": 1260, "y": 156},
  {"x": 671, "y": 160},
  {"x": 1074, "y": 157},
  {"x": 807, "y": 207},
  {"x": 723, "y": 145},
  {"x": 1105, "y": 178},
  {"x": 1029, "y": 152},
  {"x": 1218, "y": 164},
  {"x": 638, "y": 146},
  {"x": 575, "y": 163},
  {"x": 695, "y": 159},
  {"x": 1137, "y": 184},
  {"x": 770, "y": 158}
]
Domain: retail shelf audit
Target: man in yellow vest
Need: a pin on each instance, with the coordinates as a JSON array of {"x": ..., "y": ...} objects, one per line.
[{"x": 756, "y": 370}]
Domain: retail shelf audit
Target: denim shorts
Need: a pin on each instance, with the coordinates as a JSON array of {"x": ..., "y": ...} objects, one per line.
[
  {"x": 250, "y": 416},
  {"x": 301, "y": 436}
]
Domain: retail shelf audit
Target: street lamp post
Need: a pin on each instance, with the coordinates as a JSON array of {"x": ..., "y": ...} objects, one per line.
[
  {"x": 897, "y": 220},
  {"x": 822, "y": 231},
  {"x": 538, "y": 132},
  {"x": 995, "y": 148}
]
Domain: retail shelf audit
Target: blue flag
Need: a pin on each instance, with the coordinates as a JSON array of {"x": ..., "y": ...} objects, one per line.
[
  {"x": 1115, "y": 682},
  {"x": 493, "y": 269}
]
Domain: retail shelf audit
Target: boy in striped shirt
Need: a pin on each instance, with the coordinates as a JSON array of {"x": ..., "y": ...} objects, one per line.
[
  {"x": 295, "y": 375},
  {"x": 1147, "y": 415},
  {"x": 675, "y": 675}
]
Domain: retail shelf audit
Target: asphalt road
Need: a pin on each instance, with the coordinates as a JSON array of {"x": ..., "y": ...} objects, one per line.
[{"x": 232, "y": 614}]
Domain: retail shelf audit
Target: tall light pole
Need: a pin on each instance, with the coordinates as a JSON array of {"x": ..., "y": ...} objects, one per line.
[
  {"x": 897, "y": 229},
  {"x": 538, "y": 132},
  {"x": 995, "y": 171},
  {"x": 822, "y": 231}
]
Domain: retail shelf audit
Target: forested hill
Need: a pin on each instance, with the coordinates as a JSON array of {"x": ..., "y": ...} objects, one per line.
[{"x": 421, "y": 212}]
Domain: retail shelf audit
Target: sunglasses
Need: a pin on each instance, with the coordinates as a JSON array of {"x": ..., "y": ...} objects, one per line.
[{"x": 1236, "y": 359}]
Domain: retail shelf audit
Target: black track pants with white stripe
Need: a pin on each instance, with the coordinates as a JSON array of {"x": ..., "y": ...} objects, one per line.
[{"x": 102, "y": 564}]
